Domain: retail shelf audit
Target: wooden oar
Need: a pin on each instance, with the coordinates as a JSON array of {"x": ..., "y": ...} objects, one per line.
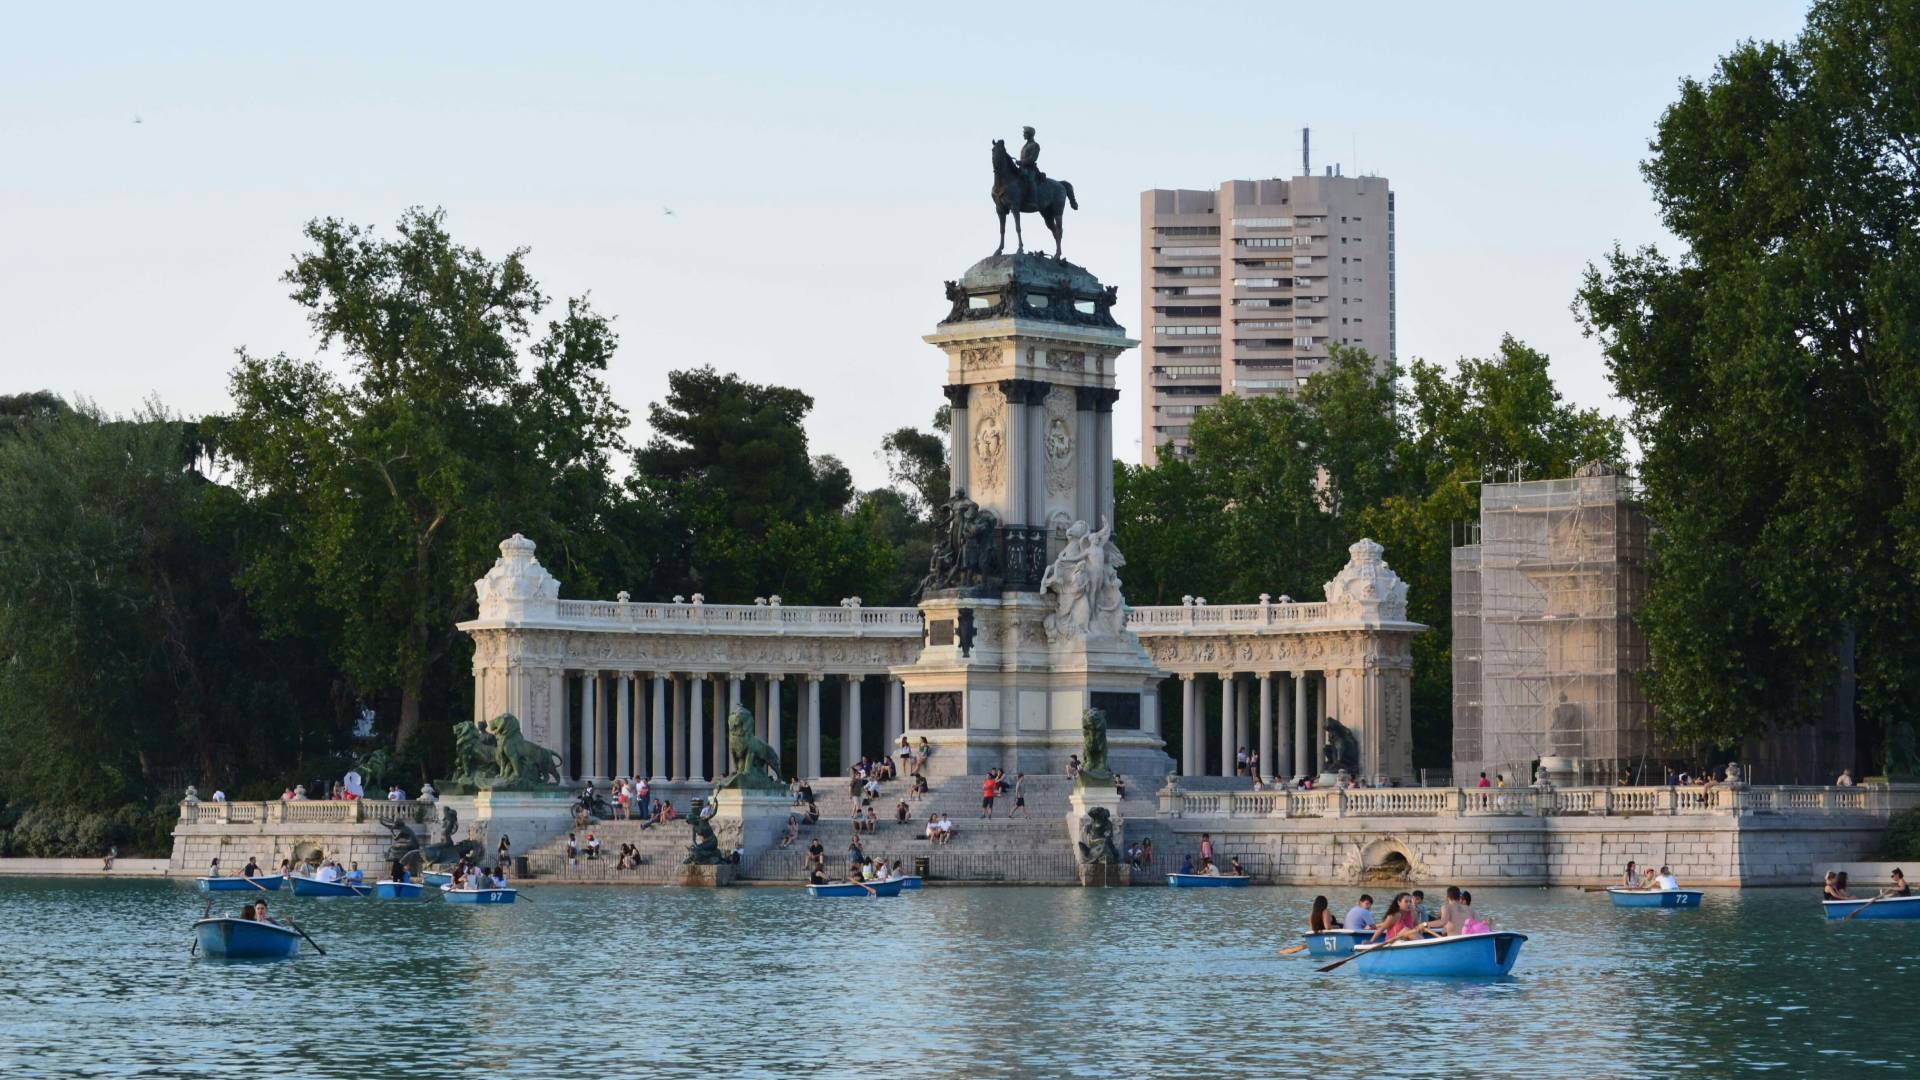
[
  {"x": 1292, "y": 949},
  {"x": 310, "y": 941},
  {"x": 254, "y": 883},
  {"x": 1863, "y": 907}
]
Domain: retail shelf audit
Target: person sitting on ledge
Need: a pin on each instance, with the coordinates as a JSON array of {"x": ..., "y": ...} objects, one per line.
[
  {"x": 946, "y": 829},
  {"x": 816, "y": 855},
  {"x": 901, "y": 811},
  {"x": 793, "y": 831},
  {"x": 873, "y": 820},
  {"x": 813, "y": 812}
]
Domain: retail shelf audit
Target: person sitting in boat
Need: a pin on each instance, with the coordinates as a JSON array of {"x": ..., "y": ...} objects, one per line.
[
  {"x": 1666, "y": 881},
  {"x": 460, "y": 876},
  {"x": 1632, "y": 878},
  {"x": 1234, "y": 868},
  {"x": 1401, "y": 922},
  {"x": 1471, "y": 922},
  {"x": 252, "y": 869},
  {"x": 249, "y": 910},
  {"x": 213, "y": 869},
  {"x": 1899, "y": 886},
  {"x": 1207, "y": 869},
  {"x": 1837, "y": 887},
  {"x": 1360, "y": 915},
  {"x": 286, "y": 867},
  {"x": 498, "y": 879},
  {"x": 817, "y": 876},
  {"x": 354, "y": 876},
  {"x": 1450, "y": 922},
  {"x": 1320, "y": 919},
  {"x": 397, "y": 872},
  {"x": 1647, "y": 879},
  {"x": 260, "y": 913},
  {"x": 1186, "y": 865}
]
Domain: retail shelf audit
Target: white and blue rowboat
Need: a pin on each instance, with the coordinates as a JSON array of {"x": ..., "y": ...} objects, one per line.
[
  {"x": 437, "y": 877},
  {"x": 1207, "y": 881},
  {"x": 1662, "y": 898},
  {"x": 1334, "y": 943},
  {"x": 397, "y": 890},
  {"x": 1467, "y": 956},
  {"x": 1893, "y": 907},
  {"x": 244, "y": 939},
  {"x": 480, "y": 896},
  {"x": 268, "y": 882},
  {"x": 306, "y": 886},
  {"x": 848, "y": 888}
]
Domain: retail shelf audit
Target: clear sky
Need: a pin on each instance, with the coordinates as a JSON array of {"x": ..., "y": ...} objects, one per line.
[{"x": 827, "y": 166}]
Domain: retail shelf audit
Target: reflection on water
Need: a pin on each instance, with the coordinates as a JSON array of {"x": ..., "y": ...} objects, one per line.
[{"x": 1033, "y": 981}]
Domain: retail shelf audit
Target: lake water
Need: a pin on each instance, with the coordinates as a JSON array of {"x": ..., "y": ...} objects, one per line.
[{"x": 607, "y": 983}]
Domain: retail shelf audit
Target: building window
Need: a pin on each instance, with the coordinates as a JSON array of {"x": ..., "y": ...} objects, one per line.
[
  {"x": 1188, "y": 252},
  {"x": 1265, "y": 222},
  {"x": 1187, "y": 350},
  {"x": 1192, "y": 271},
  {"x": 1266, "y": 324},
  {"x": 1265, "y": 241},
  {"x": 1300, "y": 261},
  {"x": 1187, "y": 230},
  {"x": 1187, "y": 331}
]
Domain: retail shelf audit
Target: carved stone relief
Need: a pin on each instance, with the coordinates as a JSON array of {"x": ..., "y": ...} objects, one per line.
[
  {"x": 989, "y": 440},
  {"x": 1059, "y": 429},
  {"x": 971, "y": 359}
]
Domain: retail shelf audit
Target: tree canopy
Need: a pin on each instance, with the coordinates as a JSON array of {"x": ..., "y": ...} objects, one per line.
[{"x": 1769, "y": 365}]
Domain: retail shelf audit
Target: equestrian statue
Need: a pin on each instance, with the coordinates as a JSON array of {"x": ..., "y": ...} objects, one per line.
[{"x": 1019, "y": 187}]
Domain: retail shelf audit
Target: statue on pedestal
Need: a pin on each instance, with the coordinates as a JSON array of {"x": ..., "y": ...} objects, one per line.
[
  {"x": 705, "y": 849},
  {"x": 1093, "y": 750},
  {"x": 756, "y": 765},
  {"x": 1341, "y": 754},
  {"x": 496, "y": 757},
  {"x": 1021, "y": 188},
  {"x": 965, "y": 557}
]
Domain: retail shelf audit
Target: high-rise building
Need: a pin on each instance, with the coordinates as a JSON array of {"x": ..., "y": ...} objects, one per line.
[{"x": 1243, "y": 289}]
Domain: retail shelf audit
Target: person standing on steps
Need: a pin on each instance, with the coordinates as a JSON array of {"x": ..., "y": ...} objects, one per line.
[
  {"x": 987, "y": 788},
  {"x": 1019, "y": 800}
]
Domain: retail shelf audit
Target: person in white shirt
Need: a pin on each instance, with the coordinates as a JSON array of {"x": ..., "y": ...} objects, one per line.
[
  {"x": 219, "y": 796},
  {"x": 1666, "y": 880},
  {"x": 353, "y": 782}
]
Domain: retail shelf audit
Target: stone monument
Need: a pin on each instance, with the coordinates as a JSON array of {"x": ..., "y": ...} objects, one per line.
[
  {"x": 1025, "y": 618},
  {"x": 1094, "y": 821}
]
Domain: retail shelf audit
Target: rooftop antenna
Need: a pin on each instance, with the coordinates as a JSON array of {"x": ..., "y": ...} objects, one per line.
[{"x": 1306, "y": 162}]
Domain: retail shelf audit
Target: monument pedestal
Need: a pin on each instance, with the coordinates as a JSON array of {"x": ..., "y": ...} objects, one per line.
[
  {"x": 1084, "y": 800},
  {"x": 707, "y": 877},
  {"x": 749, "y": 821}
]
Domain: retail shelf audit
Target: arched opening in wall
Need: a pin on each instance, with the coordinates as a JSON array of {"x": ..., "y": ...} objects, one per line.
[{"x": 1385, "y": 862}]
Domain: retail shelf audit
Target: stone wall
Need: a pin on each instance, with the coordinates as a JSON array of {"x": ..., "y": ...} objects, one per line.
[
  {"x": 1702, "y": 850},
  {"x": 195, "y": 846}
]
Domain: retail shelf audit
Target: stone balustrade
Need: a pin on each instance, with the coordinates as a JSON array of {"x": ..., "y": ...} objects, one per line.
[
  {"x": 847, "y": 619},
  {"x": 1213, "y": 618},
  {"x": 306, "y": 812},
  {"x": 1723, "y": 800}
]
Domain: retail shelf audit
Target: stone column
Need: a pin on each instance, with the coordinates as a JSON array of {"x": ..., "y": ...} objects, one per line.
[
  {"x": 680, "y": 725},
  {"x": 1283, "y": 744},
  {"x": 559, "y": 708},
  {"x": 719, "y": 733},
  {"x": 1266, "y": 726},
  {"x": 1086, "y": 449},
  {"x": 896, "y": 712},
  {"x": 1016, "y": 449},
  {"x": 810, "y": 728},
  {"x": 960, "y": 436},
  {"x": 696, "y": 728},
  {"x": 773, "y": 723},
  {"x": 1242, "y": 714},
  {"x": 659, "y": 728},
  {"x": 623, "y": 724},
  {"x": 1190, "y": 744},
  {"x": 1103, "y": 453},
  {"x": 589, "y": 725},
  {"x": 1225, "y": 727},
  {"x": 1036, "y": 453},
  {"x": 1302, "y": 722},
  {"x": 850, "y": 732},
  {"x": 760, "y": 707},
  {"x": 1329, "y": 697}
]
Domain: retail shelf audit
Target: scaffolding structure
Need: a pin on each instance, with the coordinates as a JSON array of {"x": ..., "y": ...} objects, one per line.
[{"x": 1546, "y": 652}]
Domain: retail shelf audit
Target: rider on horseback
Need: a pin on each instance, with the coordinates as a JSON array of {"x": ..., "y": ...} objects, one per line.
[{"x": 1030, "y": 174}]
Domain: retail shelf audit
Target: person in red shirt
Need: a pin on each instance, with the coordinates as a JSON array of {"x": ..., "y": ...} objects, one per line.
[{"x": 987, "y": 789}]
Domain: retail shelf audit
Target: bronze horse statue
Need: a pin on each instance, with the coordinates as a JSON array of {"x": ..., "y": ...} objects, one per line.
[{"x": 1012, "y": 194}]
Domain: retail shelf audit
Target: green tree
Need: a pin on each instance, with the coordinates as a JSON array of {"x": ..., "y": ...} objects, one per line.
[
  {"x": 1770, "y": 371},
  {"x": 393, "y": 486}
]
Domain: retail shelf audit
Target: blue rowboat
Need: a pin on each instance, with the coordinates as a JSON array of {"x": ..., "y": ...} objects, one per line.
[
  {"x": 436, "y": 877},
  {"x": 244, "y": 939},
  {"x": 397, "y": 890},
  {"x": 480, "y": 896},
  {"x": 1207, "y": 881},
  {"x": 1468, "y": 956},
  {"x": 1334, "y": 943},
  {"x": 1664, "y": 898},
  {"x": 1893, "y": 907},
  {"x": 268, "y": 882},
  {"x": 306, "y": 886},
  {"x": 911, "y": 882},
  {"x": 848, "y": 888}
]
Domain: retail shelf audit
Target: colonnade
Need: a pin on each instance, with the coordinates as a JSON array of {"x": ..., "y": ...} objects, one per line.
[
  {"x": 671, "y": 726},
  {"x": 1257, "y": 712}
]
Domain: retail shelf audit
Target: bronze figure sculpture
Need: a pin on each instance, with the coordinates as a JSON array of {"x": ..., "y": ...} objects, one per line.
[{"x": 1021, "y": 188}]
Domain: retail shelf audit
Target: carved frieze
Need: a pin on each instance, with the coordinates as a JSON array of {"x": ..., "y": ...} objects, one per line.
[
  {"x": 972, "y": 359},
  {"x": 1059, "y": 439}
]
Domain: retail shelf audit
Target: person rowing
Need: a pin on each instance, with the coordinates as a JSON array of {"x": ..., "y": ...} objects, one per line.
[
  {"x": 1666, "y": 881},
  {"x": 1401, "y": 922},
  {"x": 1453, "y": 915}
]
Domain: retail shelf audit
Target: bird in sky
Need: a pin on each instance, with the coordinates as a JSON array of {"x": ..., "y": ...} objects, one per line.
[
  {"x": 668, "y": 210},
  {"x": 137, "y": 120}
]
